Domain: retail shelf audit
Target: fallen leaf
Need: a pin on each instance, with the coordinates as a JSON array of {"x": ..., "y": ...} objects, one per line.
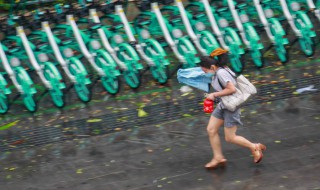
[
  {"x": 142, "y": 113},
  {"x": 164, "y": 178},
  {"x": 8, "y": 125},
  {"x": 94, "y": 120},
  {"x": 123, "y": 119},
  {"x": 79, "y": 171},
  {"x": 17, "y": 142}
]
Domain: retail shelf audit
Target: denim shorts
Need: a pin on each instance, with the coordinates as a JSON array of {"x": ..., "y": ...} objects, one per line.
[{"x": 231, "y": 119}]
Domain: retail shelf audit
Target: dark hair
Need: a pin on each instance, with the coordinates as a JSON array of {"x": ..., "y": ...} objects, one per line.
[{"x": 220, "y": 61}]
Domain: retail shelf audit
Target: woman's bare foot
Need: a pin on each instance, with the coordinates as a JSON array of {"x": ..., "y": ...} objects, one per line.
[{"x": 213, "y": 164}]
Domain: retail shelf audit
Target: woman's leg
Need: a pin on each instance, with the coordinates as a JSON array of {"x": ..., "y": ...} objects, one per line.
[
  {"x": 212, "y": 129},
  {"x": 256, "y": 149},
  {"x": 231, "y": 137}
]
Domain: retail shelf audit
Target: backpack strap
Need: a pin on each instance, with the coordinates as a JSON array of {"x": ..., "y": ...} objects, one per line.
[
  {"x": 220, "y": 83},
  {"x": 228, "y": 70}
]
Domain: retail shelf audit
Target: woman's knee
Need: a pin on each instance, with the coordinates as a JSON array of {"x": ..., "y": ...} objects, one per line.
[
  {"x": 230, "y": 134},
  {"x": 214, "y": 125},
  {"x": 229, "y": 138},
  {"x": 212, "y": 130}
]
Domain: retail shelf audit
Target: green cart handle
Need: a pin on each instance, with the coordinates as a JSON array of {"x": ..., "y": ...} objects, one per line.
[
  {"x": 130, "y": 50},
  {"x": 156, "y": 45},
  {"x": 210, "y": 41},
  {"x": 170, "y": 8},
  {"x": 306, "y": 20},
  {"x": 252, "y": 36},
  {"x": 111, "y": 67},
  {"x": 235, "y": 36},
  {"x": 189, "y": 53},
  {"x": 27, "y": 85},
  {"x": 276, "y": 25},
  {"x": 19, "y": 41},
  {"x": 195, "y": 4},
  {"x": 3, "y": 86},
  {"x": 50, "y": 66},
  {"x": 188, "y": 43},
  {"x": 146, "y": 14},
  {"x": 75, "y": 62},
  {"x": 65, "y": 27}
]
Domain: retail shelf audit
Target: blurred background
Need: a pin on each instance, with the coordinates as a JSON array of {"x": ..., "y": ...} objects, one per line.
[{"x": 86, "y": 88}]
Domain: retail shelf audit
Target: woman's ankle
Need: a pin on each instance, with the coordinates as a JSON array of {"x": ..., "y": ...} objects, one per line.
[
  {"x": 253, "y": 147},
  {"x": 218, "y": 158}
]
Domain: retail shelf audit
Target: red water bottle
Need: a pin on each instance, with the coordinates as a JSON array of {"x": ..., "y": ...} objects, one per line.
[{"x": 208, "y": 105}]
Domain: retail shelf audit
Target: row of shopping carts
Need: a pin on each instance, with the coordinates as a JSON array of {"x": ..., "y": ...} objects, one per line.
[{"x": 76, "y": 41}]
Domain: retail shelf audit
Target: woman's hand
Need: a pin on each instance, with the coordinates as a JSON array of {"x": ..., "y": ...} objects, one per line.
[
  {"x": 212, "y": 96},
  {"x": 229, "y": 89}
]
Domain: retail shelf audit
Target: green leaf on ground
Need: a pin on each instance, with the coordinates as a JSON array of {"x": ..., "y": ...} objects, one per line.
[
  {"x": 94, "y": 120},
  {"x": 79, "y": 171},
  {"x": 8, "y": 125},
  {"x": 142, "y": 113}
]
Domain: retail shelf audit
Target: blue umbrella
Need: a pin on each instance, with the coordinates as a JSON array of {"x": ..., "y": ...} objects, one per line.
[{"x": 195, "y": 77}]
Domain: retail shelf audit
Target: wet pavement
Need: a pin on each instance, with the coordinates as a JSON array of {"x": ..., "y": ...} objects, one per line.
[
  {"x": 155, "y": 137},
  {"x": 171, "y": 155}
]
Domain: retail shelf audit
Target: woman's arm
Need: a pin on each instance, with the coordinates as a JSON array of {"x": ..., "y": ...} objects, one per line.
[{"x": 229, "y": 89}]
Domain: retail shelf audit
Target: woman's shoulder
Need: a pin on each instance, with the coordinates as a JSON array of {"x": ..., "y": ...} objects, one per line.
[
  {"x": 225, "y": 72},
  {"x": 221, "y": 70}
]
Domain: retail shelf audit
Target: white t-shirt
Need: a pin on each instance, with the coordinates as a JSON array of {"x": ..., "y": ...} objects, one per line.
[{"x": 225, "y": 75}]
